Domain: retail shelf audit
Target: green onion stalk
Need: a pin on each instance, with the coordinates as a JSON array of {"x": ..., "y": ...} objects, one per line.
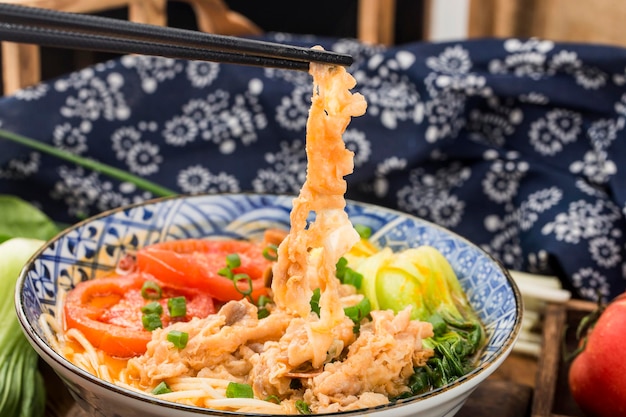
[{"x": 108, "y": 170}]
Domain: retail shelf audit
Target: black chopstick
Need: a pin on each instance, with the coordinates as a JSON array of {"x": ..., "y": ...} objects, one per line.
[{"x": 82, "y": 31}]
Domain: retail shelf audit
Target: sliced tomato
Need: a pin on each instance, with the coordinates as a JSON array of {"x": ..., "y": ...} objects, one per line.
[
  {"x": 194, "y": 263},
  {"x": 107, "y": 311}
]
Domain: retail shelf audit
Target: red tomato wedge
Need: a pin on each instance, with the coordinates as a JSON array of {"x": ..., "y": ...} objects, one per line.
[
  {"x": 194, "y": 263},
  {"x": 107, "y": 311}
]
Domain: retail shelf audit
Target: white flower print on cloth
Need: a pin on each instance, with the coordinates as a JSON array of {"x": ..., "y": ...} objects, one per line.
[
  {"x": 537, "y": 203},
  {"x": 501, "y": 182},
  {"x": 391, "y": 95},
  {"x": 431, "y": 196},
  {"x": 80, "y": 191},
  {"x": 584, "y": 220},
  {"x": 595, "y": 166},
  {"x": 153, "y": 70},
  {"x": 198, "y": 179},
  {"x": 453, "y": 61},
  {"x": 449, "y": 86},
  {"x": 22, "y": 168},
  {"x": 293, "y": 111},
  {"x": 141, "y": 156},
  {"x": 287, "y": 172},
  {"x": 31, "y": 93},
  {"x": 357, "y": 142},
  {"x": 605, "y": 251},
  {"x": 94, "y": 97},
  {"x": 71, "y": 138},
  {"x": 380, "y": 185},
  {"x": 526, "y": 59},
  {"x": 604, "y": 131},
  {"x": 549, "y": 135},
  {"x": 564, "y": 61},
  {"x": 591, "y": 284},
  {"x": 494, "y": 126},
  {"x": 222, "y": 118},
  {"x": 201, "y": 74},
  {"x": 505, "y": 243}
]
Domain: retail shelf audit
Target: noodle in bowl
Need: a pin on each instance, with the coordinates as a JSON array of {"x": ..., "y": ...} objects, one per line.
[{"x": 95, "y": 246}]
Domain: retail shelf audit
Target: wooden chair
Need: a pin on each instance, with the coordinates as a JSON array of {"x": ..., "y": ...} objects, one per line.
[
  {"x": 21, "y": 63},
  {"x": 598, "y": 21}
]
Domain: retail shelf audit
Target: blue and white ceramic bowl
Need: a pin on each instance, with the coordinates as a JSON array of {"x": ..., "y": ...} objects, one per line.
[{"x": 94, "y": 246}]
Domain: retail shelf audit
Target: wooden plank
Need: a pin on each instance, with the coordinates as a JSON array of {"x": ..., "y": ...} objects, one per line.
[
  {"x": 481, "y": 18},
  {"x": 375, "y": 21},
  {"x": 549, "y": 361},
  {"x": 552, "y": 397},
  {"x": 498, "y": 398},
  {"x": 20, "y": 66},
  {"x": 153, "y": 12}
]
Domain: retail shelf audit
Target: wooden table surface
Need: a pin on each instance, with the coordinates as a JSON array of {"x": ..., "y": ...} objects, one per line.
[{"x": 506, "y": 393}]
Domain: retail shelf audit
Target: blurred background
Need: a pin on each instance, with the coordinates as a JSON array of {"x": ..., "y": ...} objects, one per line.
[{"x": 388, "y": 22}]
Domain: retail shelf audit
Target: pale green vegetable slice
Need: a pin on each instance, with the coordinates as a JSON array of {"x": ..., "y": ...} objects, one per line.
[{"x": 22, "y": 389}]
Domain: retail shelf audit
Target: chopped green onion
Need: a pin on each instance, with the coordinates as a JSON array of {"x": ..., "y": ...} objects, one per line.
[
  {"x": 302, "y": 407},
  {"x": 178, "y": 338},
  {"x": 348, "y": 275},
  {"x": 315, "y": 301},
  {"x": 162, "y": 388},
  {"x": 151, "y": 321},
  {"x": 359, "y": 311},
  {"x": 237, "y": 390},
  {"x": 364, "y": 231},
  {"x": 272, "y": 399},
  {"x": 150, "y": 290},
  {"x": 177, "y": 306},
  {"x": 153, "y": 307},
  {"x": 341, "y": 266},
  {"x": 233, "y": 261},
  {"x": 262, "y": 302},
  {"x": 243, "y": 277},
  {"x": 353, "y": 278},
  {"x": 226, "y": 272},
  {"x": 271, "y": 252}
]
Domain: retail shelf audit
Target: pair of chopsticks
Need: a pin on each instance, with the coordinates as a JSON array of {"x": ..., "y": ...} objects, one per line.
[{"x": 53, "y": 28}]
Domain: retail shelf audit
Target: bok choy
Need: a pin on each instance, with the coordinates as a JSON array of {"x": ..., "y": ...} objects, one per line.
[
  {"x": 22, "y": 390},
  {"x": 423, "y": 278},
  {"x": 23, "y": 230}
]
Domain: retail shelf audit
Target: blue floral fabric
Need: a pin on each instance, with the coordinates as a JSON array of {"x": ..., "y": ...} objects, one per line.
[{"x": 518, "y": 145}]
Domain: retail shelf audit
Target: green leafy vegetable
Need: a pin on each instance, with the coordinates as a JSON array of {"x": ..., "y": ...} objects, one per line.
[
  {"x": 270, "y": 252},
  {"x": 237, "y": 390},
  {"x": 152, "y": 307},
  {"x": 177, "y": 306},
  {"x": 302, "y": 407},
  {"x": 151, "y": 321},
  {"x": 422, "y": 278},
  {"x": 364, "y": 231},
  {"x": 22, "y": 389},
  {"x": 178, "y": 338},
  {"x": 262, "y": 305},
  {"x": 150, "y": 290},
  {"x": 315, "y": 301},
  {"x": 162, "y": 388},
  {"x": 348, "y": 275},
  {"x": 21, "y": 219}
]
